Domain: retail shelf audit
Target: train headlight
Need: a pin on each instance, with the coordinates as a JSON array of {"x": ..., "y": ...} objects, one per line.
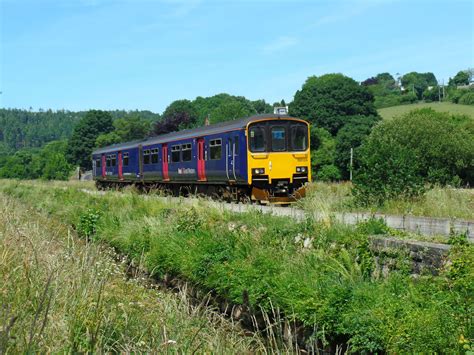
[
  {"x": 258, "y": 171},
  {"x": 301, "y": 169}
]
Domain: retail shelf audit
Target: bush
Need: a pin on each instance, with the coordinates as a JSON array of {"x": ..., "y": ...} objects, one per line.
[
  {"x": 402, "y": 155},
  {"x": 430, "y": 95},
  {"x": 409, "y": 98},
  {"x": 467, "y": 99},
  {"x": 328, "y": 173}
]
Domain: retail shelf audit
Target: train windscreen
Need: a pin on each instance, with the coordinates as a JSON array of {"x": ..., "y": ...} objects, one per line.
[{"x": 278, "y": 136}]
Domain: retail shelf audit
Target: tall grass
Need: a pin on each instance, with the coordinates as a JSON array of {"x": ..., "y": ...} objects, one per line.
[
  {"x": 316, "y": 277},
  {"x": 437, "y": 202},
  {"x": 62, "y": 294}
]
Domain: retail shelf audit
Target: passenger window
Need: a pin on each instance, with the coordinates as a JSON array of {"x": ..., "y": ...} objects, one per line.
[
  {"x": 186, "y": 149},
  {"x": 278, "y": 139},
  {"x": 299, "y": 137},
  {"x": 257, "y": 139},
  {"x": 175, "y": 153},
  {"x": 108, "y": 160},
  {"x": 125, "y": 159},
  {"x": 146, "y": 156},
  {"x": 216, "y": 149},
  {"x": 154, "y": 156},
  {"x": 97, "y": 163},
  {"x": 113, "y": 160}
]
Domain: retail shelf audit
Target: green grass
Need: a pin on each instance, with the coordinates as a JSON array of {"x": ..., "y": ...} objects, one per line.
[
  {"x": 390, "y": 112},
  {"x": 442, "y": 202},
  {"x": 320, "y": 275},
  {"x": 61, "y": 294}
]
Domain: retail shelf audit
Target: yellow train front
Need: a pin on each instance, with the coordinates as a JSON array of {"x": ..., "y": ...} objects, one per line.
[{"x": 278, "y": 158}]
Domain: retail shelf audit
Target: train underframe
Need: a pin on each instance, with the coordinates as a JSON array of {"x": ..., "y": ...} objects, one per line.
[{"x": 279, "y": 192}]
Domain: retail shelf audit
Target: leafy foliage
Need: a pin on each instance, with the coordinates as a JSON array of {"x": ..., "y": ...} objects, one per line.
[
  {"x": 401, "y": 155},
  {"x": 48, "y": 163},
  {"x": 125, "y": 129},
  {"x": 467, "y": 99},
  {"x": 418, "y": 82},
  {"x": 461, "y": 78},
  {"x": 329, "y": 101},
  {"x": 178, "y": 115},
  {"x": 83, "y": 139},
  {"x": 351, "y": 136}
]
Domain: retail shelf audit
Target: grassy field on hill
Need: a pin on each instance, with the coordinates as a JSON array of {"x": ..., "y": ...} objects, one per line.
[
  {"x": 254, "y": 260},
  {"x": 390, "y": 112}
]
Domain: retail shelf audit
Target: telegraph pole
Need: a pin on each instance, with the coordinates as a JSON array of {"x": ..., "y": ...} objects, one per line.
[{"x": 350, "y": 169}]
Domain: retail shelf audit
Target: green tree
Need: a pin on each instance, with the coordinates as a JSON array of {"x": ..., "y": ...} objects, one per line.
[
  {"x": 461, "y": 78},
  {"x": 323, "y": 155},
  {"x": 403, "y": 154},
  {"x": 84, "y": 136},
  {"x": 330, "y": 100},
  {"x": 351, "y": 136},
  {"x": 53, "y": 163},
  {"x": 431, "y": 94},
  {"x": 418, "y": 82},
  {"x": 126, "y": 129},
  {"x": 180, "y": 114}
]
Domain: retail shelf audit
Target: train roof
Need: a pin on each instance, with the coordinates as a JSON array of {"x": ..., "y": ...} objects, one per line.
[{"x": 193, "y": 132}]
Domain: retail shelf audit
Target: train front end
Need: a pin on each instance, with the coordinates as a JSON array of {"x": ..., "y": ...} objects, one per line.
[{"x": 278, "y": 155}]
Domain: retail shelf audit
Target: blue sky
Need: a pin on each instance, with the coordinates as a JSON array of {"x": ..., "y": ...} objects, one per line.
[{"x": 143, "y": 54}]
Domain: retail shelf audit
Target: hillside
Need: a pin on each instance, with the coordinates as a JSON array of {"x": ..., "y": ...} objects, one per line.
[{"x": 390, "y": 112}]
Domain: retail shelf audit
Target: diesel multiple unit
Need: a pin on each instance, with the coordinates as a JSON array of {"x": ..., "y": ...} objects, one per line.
[{"x": 263, "y": 157}]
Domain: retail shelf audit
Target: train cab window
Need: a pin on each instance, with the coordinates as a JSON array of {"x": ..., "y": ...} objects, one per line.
[
  {"x": 113, "y": 160},
  {"x": 278, "y": 139},
  {"x": 125, "y": 159},
  {"x": 186, "y": 149},
  {"x": 257, "y": 139},
  {"x": 299, "y": 137},
  {"x": 146, "y": 156},
  {"x": 154, "y": 156},
  {"x": 175, "y": 152},
  {"x": 215, "y": 146}
]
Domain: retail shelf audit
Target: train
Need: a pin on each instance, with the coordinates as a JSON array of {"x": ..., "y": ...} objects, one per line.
[{"x": 264, "y": 158}]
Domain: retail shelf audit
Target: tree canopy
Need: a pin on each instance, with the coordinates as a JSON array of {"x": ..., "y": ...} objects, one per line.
[
  {"x": 329, "y": 101},
  {"x": 461, "y": 78},
  {"x": 418, "y": 82},
  {"x": 83, "y": 139},
  {"x": 125, "y": 129}
]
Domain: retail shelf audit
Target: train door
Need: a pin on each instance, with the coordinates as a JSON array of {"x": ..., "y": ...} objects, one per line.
[
  {"x": 104, "y": 172},
  {"x": 164, "y": 156},
  {"x": 201, "y": 160},
  {"x": 120, "y": 165},
  {"x": 231, "y": 150}
]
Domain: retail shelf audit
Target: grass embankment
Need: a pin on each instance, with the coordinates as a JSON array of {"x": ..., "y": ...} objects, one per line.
[
  {"x": 390, "y": 112},
  {"x": 437, "y": 202},
  {"x": 61, "y": 294},
  {"x": 320, "y": 275}
]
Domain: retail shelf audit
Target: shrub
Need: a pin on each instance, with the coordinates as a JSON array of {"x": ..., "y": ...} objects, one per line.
[
  {"x": 328, "y": 173},
  {"x": 408, "y": 98},
  {"x": 430, "y": 95},
  {"x": 467, "y": 99},
  {"x": 402, "y": 155}
]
